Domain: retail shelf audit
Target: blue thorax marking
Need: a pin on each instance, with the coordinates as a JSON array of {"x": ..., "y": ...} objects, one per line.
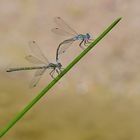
[{"x": 82, "y": 37}]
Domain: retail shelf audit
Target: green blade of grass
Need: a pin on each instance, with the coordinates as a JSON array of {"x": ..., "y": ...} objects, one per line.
[{"x": 49, "y": 86}]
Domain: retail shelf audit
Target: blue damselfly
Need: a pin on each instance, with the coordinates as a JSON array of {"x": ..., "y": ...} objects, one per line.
[{"x": 65, "y": 30}]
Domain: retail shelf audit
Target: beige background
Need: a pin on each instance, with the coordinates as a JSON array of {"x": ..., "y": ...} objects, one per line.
[{"x": 99, "y": 98}]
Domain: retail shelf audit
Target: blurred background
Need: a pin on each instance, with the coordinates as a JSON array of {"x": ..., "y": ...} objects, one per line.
[{"x": 99, "y": 98}]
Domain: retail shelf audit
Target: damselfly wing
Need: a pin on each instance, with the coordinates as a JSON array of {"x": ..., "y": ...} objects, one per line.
[
  {"x": 39, "y": 59},
  {"x": 63, "y": 28}
]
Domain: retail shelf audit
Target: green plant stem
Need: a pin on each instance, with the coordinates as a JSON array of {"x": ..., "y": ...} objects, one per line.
[{"x": 49, "y": 86}]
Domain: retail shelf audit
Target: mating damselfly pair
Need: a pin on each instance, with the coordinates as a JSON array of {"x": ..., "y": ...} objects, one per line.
[{"x": 39, "y": 58}]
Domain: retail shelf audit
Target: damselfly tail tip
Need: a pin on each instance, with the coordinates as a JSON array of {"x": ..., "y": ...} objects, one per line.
[
  {"x": 8, "y": 70},
  {"x": 33, "y": 41}
]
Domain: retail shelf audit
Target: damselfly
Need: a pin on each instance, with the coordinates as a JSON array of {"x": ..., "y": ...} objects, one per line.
[
  {"x": 38, "y": 58},
  {"x": 64, "y": 29}
]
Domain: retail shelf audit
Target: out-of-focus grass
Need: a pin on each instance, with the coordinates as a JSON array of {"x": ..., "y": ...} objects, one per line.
[{"x": 99, "y": 114}]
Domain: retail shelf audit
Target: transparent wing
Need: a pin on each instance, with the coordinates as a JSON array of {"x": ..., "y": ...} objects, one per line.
[
  {"x": 64, "y": 46},
  {"x": 34, "y": 60},
  {"x": 61, "y": 32},
  {"x": 37, "y": 76},
  {"x": 34, "y": 82},
  {"x": 37, "y": 52},
  {"x": 63, "y": 25},
  {"x": 40, "y": 72}
]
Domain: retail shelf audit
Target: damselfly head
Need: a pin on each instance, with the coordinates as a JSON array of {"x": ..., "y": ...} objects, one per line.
[
  {"x": 59, "y": 65},
  {"x": 88, "y": 35}
]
